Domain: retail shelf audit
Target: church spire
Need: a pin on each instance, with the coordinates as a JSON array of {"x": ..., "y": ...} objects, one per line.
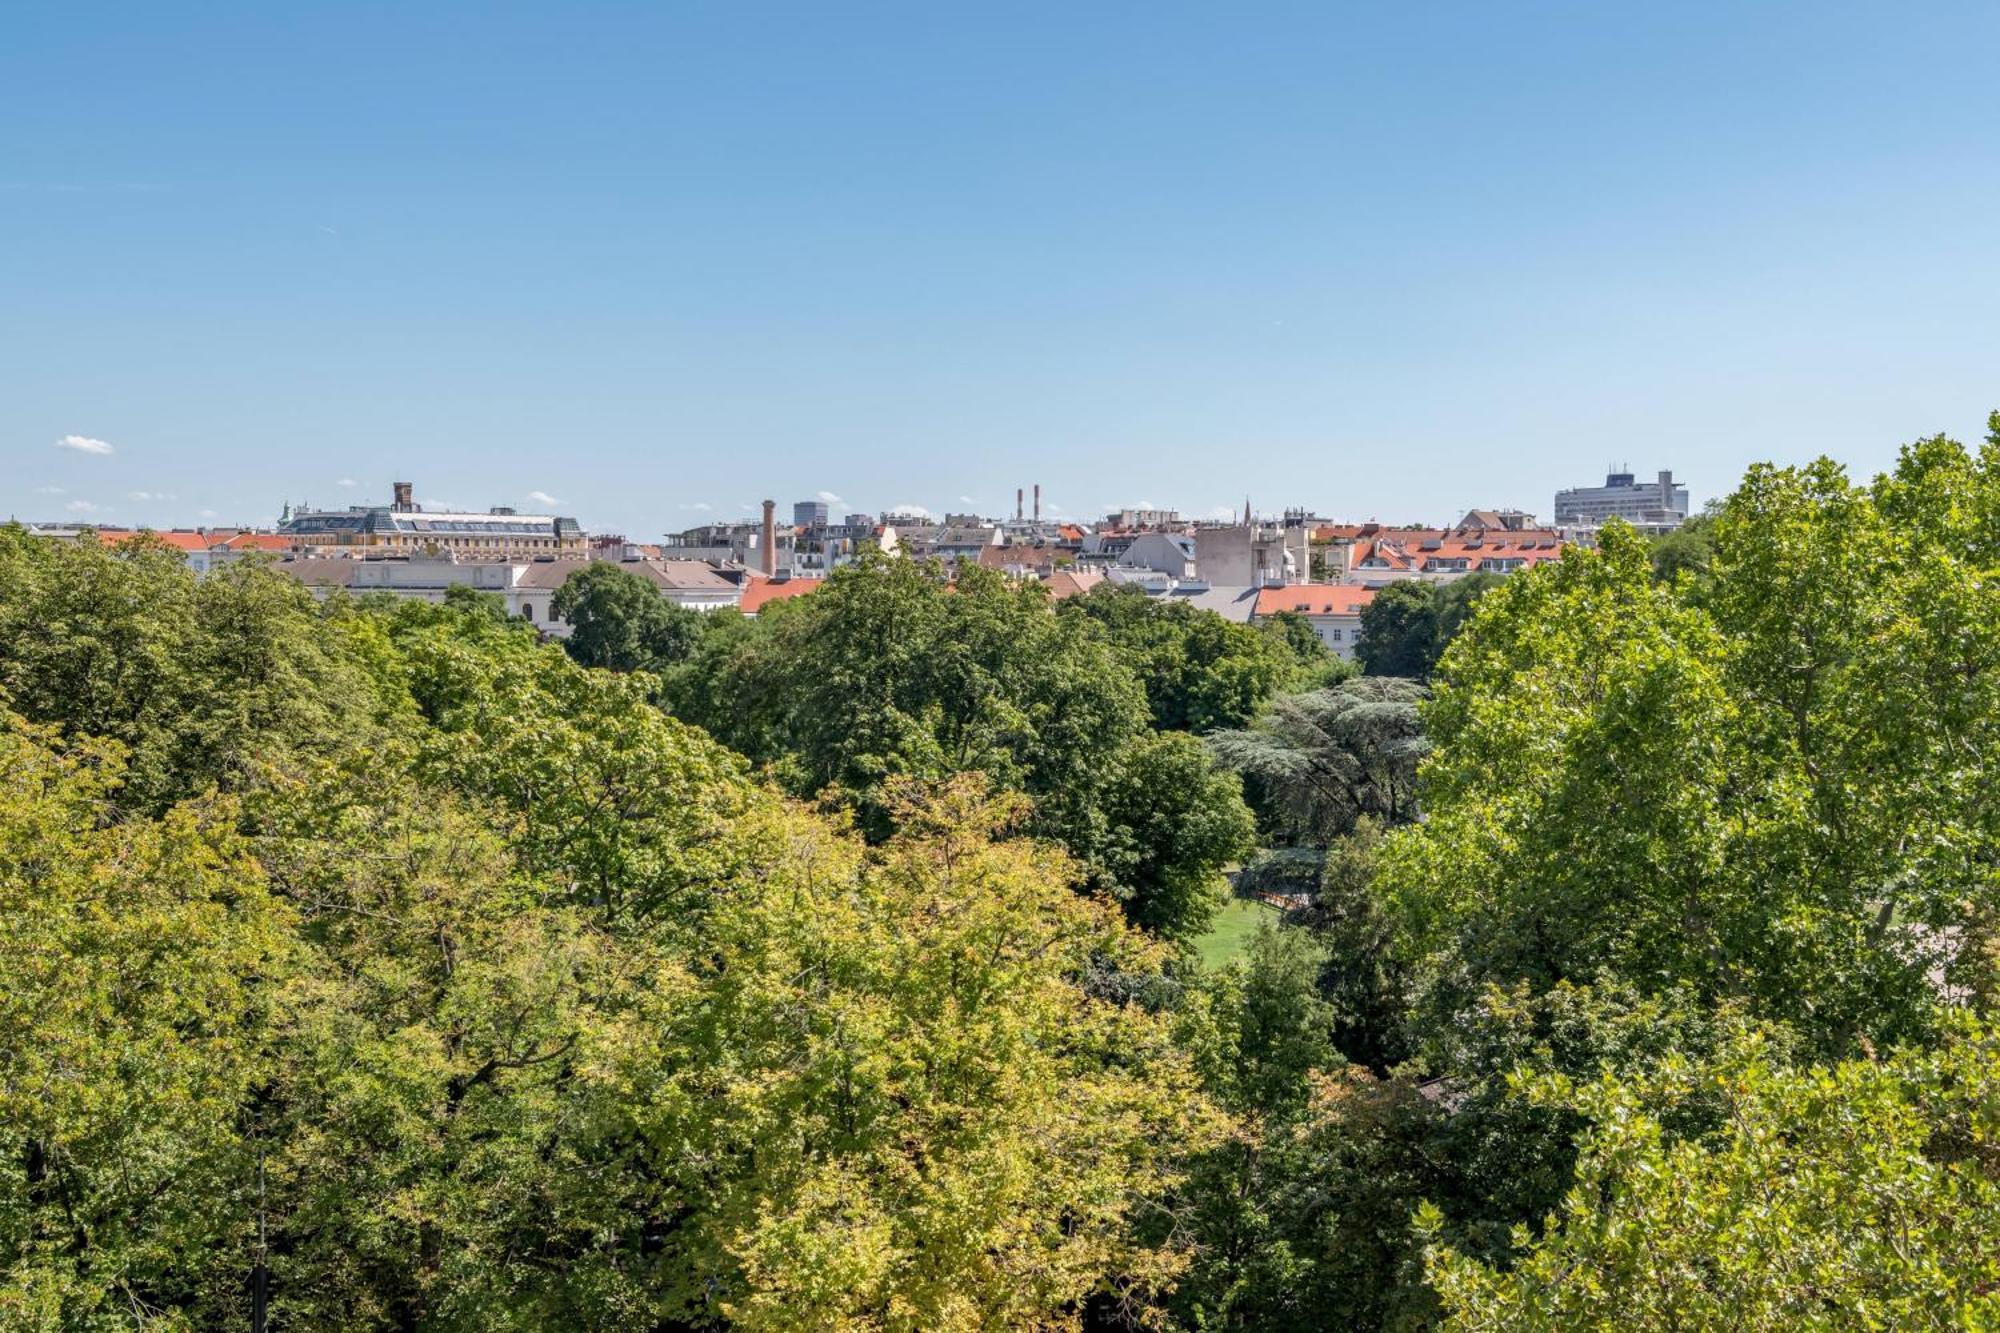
[{"x": 1247, "y": 520}]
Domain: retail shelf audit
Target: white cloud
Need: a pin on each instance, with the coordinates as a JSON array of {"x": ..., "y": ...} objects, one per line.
[
  {"x": 543, "y": 498},
  {"x": 830, "y": 498},
  {"x": 83, "y": 444},
  {"x": 908, "y": 511},
  {"x": 703, "y": 505},
  {"x": 208, "y": 513},
  {"x": 151, "y": 495},
  {"x": 50, "y": 490},
  {"x": 347, "y": 482},
  {"x": 967, "y": 500},
  {"x": 81, "y": 507}
]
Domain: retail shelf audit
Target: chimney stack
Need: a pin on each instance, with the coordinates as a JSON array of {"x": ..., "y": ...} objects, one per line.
[
  {"x": 770, "y": 552},
  {"x": 402, "y": 505},
  {"x": 1038, "y": 502},
  {"x": 1020, "y": 504}
]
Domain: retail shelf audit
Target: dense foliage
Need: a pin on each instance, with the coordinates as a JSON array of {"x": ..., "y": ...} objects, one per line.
[
  {"x": 893, "y": 671},
  {"x": 1406, "y": 626},
  {"x": 1199, "y": 670},
  {"x": 832, "y": 969},
  {"x": 490, "y": 996},
  {"x": 619, "y": 621}
]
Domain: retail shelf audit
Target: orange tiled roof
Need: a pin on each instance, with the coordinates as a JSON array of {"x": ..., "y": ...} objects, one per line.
[
  {"x": 1071, "y": 582},
  {"x": 258, "y": 541},
  {"x": 759, "y": 591},
  {"x": 1427, "y": 548},
  {"x": 180, "y": 541},
  {"x": 1314, "y": 599}
]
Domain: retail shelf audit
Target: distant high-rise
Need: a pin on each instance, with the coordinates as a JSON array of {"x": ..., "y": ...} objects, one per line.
[
  {"x": 809, "y": 514},
  {"x": 1655, "y": 506}
]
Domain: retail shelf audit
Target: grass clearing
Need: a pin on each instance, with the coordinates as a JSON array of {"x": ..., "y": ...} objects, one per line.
[{"x": 1234, "y": 925}]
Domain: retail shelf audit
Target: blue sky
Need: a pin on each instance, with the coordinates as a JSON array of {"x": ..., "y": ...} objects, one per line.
[{"x": 1386, "y": 261}]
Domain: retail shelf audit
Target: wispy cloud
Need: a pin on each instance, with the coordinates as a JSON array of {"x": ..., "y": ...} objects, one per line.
[
  {"x": 50, "y": 490},
  {"x": 83, "y": 444},
  {"x": 908, "y": 511},
  {"x": 703, "y": 505},
  {"x": 828, "y": 497},
  {"x": 348, "y": 483},
  {"x": 1222, "y": 511},
  {"x": 83, "y": 507},
  {"x": 967, "y": 500},
  {"x": 543, "y": 498},
  {"x": 151, "y": 495},
  {"x": 208, "y": 513}
]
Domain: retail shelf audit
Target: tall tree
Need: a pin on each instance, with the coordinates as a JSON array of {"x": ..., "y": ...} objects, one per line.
[
  {"x": 1410, "y": 623},
  {"x": 1325, "y": 759},
  {"x": 1199, "y": 670},
  {"x": 895, "y": 670},
  {"x": 221, "y": 681},
  {"x": 1746, "y": 1192},
  {"x": 618, "y": 620}
]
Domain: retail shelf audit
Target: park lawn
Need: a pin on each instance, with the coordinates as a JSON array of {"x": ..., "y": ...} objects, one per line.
[{"x": 1234, "y": 925}]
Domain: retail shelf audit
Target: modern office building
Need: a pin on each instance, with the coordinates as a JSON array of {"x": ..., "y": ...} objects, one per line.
[{"x": 1652, "y": 506}]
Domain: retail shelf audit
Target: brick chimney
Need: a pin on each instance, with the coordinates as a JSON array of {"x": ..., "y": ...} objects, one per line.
[
  {"x": 770, "y": 539},
  {"x": 402, "y": 504},
  {"x": 1038, "y": 502}
]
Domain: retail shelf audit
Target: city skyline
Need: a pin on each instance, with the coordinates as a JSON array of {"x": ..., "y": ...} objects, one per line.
[
  {"x": 1375, "y": 263},
  {"x": 56, "y": 506}
]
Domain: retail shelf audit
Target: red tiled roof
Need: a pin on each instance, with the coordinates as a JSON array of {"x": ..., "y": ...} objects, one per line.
[
  {"x": 759, "y": 591},
  {"x": 180, "y": 541},
  {"x": 1314, "y": 599},
  {"x": 1425, "y": 548},
  {"x": 257, "y": 541},
  {"x": 1071, "y": 582}
]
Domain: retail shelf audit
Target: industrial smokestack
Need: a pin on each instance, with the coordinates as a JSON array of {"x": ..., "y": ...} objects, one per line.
[
  {"x": 402, "y": 490},
  {"x": 770, "y": 552},
  {"x": 1020, "y": 504},
  {"x": 1038, "y": 502}
]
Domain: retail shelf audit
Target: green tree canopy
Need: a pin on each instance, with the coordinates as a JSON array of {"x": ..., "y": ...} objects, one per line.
[
  {"x": 1777, "y": 793},
  {"x": 1199, "y": 670},
  {"x": 209, "y": 682},
  {"x": 1408, "y": 625},
  {"x": 618, "y": 620},
  {"x": 1743, "y": 1191},
  {"x": 894, "y": 671}
]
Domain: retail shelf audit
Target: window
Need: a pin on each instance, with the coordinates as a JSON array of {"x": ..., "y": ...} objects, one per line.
[{"x": 528, "y": 610}]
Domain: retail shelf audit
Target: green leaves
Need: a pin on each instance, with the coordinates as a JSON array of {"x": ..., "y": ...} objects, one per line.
[
  {"x": 1855, "y": 1195},
  {"x": 137, "y": 961},
  {"x": 1199, "y": 670},
  {"x": 619, "y": 621},
  {"x": 535, "y": 1011},
  {"x": 212, "y": 682},
  {"x": 890, "y": 672}
]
